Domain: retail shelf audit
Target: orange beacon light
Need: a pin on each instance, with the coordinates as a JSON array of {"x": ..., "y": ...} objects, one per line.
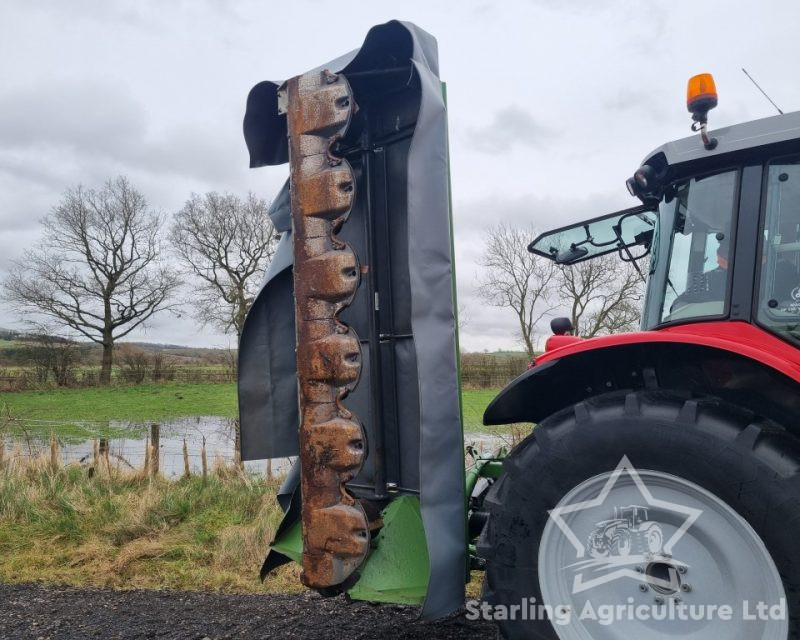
[{"x": 701, "y": 97}]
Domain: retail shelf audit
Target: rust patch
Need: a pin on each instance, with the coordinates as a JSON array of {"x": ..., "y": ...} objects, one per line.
[{"x": 326, "y": 276}]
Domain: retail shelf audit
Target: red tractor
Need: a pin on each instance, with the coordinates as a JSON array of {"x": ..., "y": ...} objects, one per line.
[{"x": 697, "y": 413}]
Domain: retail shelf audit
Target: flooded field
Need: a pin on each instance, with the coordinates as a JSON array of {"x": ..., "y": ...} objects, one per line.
[{"x": 127, "y": 442}]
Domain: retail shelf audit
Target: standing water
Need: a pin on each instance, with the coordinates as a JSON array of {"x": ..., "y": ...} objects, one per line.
[{"x": 128, "y": 441}]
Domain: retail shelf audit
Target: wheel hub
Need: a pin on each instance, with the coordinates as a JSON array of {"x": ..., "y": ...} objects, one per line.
[{"x": 660, "y": 573}]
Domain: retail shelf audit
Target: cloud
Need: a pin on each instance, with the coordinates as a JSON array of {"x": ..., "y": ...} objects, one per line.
[
  {"x": 649, "y": 103},
  {"x": 510, "y": 127},
  {"x": 90, "y": 117},
  {"x": 103, "y": 124},
  {"x": 549, "y": 102}
]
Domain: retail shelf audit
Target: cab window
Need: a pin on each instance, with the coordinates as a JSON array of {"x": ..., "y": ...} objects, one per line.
[
  {"x": 778, "y": 306},
  {"x": 701, "y": 215}
]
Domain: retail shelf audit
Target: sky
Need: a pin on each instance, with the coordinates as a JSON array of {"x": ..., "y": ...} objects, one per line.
[{"x": 552, "y": 104}]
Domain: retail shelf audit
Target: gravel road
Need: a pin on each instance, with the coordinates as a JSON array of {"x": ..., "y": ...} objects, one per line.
[{"x": 61, "y": 613}]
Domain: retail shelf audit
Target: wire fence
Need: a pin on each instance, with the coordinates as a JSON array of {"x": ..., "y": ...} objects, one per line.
[
  {"x": 129, "y": 444},
  {"x": 491, "y": 371},
  {"x": 26, "y": 378},
  {"x": 478, "y": 371}
]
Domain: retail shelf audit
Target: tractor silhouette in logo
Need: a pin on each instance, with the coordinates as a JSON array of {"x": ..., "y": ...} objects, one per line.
[{"x": 628, "y": 532}]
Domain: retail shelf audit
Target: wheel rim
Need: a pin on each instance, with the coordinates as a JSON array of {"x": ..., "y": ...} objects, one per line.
[{"x": 711, "y": 558}]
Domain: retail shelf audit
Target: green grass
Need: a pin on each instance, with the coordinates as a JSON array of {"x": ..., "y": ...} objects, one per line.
[
  {"x": 474, "y": 403},
  {"x": 135, "y": 403}
]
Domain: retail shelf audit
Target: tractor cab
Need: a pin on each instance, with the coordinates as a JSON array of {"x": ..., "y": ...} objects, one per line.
[
  {"x": 717, "y": 235},
  {"x": 634, "y": 515}
]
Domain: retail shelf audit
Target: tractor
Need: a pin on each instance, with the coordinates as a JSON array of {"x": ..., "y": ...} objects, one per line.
[
  {"x": 349, "y": 361},
  {"x": 628, "y": 530}
]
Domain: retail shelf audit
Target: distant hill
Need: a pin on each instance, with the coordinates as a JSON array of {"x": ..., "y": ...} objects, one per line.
[{"x": 15, "y": 350}]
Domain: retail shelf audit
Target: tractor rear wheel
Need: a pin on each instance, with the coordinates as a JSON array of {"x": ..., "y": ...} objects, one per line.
[{"x": 722, "y": 485}]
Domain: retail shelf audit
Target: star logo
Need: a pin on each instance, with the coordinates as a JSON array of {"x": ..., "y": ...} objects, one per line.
[{"x": 622, "y": 565}]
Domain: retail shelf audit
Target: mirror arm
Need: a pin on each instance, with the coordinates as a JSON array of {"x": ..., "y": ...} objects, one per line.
[
  {"x": 618, "y": 232},
  {"x": 631, "y": 259}
]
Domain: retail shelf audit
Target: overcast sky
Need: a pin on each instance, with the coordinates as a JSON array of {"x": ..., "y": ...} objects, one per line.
[{"x": 551, "y": 104}]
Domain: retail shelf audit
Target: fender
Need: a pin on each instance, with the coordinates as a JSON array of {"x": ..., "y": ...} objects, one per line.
[{"x": 735, "y": 361}]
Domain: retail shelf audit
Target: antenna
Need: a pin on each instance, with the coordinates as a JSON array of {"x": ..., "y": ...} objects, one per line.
[{"x": 762, "y": 91}]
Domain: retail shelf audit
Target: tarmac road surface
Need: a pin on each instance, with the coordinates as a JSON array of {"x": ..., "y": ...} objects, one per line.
[{"x": 65, "y": 613}]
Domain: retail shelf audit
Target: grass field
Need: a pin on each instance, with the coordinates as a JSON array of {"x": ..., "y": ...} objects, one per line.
[
  {"x": 135, "y": 402},
  {"x": 140, "y": 403},
  {"x": 126, "y": 530}
]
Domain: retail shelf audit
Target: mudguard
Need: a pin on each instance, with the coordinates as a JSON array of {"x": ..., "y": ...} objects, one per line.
[{"x": 735, "y": 361}]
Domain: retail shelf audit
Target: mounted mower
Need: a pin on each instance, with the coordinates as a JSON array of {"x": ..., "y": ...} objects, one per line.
[{"x": 687, "y": 430}]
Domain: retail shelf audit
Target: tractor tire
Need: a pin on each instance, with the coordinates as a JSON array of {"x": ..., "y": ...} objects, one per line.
[
  {"x": 601, "y": 552},
  {"x": 621, "y": 544},
  {"x": 747, "y": 466},
  {"x": 649, "y": 538}
]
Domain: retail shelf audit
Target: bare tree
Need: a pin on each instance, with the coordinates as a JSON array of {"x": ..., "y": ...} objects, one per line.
[
  {"x": 98, "y": 269},
  {"x": 230, "y": 363},
  {"x": 604, "y": 295},
  {"x": 516, "y": 278},
  {"x": 134, "y": 363},
  {"x": 52, "y": 355},
  {"x": 226, "y": 243}
]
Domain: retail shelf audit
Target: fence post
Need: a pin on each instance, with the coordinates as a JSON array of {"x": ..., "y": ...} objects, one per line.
[
  {"x": 203, "y": 460},
  {"x": 54, "y": 451},
  {"x": 237, "y": 443},
  {"x": 186, "y": 471},
  {"x": 155, "y": 454},
  {"x": 146, "y": 467},
  {"x": 102, "y": 452}
]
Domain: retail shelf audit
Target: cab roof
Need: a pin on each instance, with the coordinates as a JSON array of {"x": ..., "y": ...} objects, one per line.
[{"x": 738, "y": 137}]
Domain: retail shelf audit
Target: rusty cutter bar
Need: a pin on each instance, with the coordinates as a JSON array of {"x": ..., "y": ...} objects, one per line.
[{"x": 319, "y": 107}]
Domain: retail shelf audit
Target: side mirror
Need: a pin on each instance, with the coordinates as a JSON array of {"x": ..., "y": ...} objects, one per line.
[
  {"x": 573, "y": 254},
  {"x": 561, "y": 326}
]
